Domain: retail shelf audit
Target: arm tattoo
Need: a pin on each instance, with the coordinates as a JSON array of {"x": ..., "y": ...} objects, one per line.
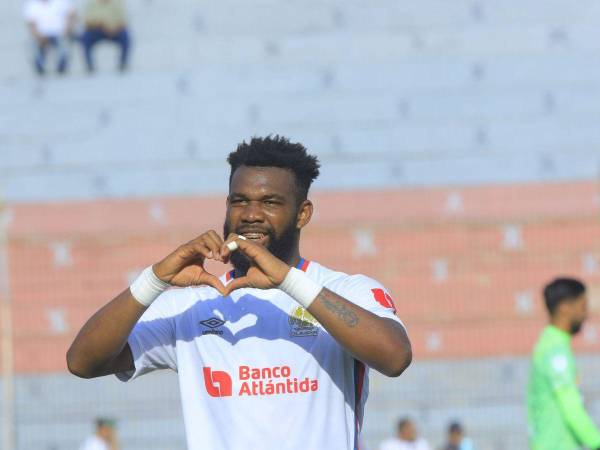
[{"x": 338, "y": 308}]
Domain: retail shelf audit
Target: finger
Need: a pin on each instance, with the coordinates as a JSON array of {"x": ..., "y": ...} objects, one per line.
[
  {"x": 271, "y": 266},
  {"x": 187, "y": 253},
  {"x": 206, "y": 241},
  {"x": 231, "y": 245},
  {"x": 251, "y": 249},
  {"x": 200, "y": 251},
  {"x": 181, "y": 257},
  {"x": 214, "y": 246},
  {"x": 213, "y": 281},
  {"x": 216, "y": 242},
  {"x": 225, "y": 250},
  {"x": 237, "y": 283}
]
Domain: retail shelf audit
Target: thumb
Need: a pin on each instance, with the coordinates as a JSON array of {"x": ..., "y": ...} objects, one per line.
[
  {"x": 236, "y": 242},
  {"x": 237, "y": 283},
  {"x": 213, "y": 281}
]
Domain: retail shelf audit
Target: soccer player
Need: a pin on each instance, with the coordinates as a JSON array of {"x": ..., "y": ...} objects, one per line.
[
  {"x": 557, "y": 418},
  {"x": 275, "y": 353}
]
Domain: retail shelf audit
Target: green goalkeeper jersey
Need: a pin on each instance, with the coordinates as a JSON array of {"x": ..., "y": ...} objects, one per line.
[{"x": 557, "y": 418}]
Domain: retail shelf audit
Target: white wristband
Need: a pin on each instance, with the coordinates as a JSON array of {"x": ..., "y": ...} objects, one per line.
[
  {"x": 300, "y": 287},
  {"x": 147, "y": 287}
]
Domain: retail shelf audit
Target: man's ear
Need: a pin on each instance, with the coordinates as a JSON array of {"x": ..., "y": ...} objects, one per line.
[{"x": 304, "y": 214}]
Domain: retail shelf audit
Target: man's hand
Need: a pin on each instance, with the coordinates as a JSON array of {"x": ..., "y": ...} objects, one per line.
[
  {"x": 185, "y": 266},
  {"x": 266, "y": 271},
  {"x": 41, "y": 40}
]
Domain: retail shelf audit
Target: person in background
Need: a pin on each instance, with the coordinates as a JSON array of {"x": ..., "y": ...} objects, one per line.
[
  {"x": 406, "y": 438},
  {"x": 457, "y": 439},
  {"x": 105, "y": 20},
  {"x": 556, "y": 413},
  {"x": 105, "y": 437},
  {"x": 50, "y": 23}
]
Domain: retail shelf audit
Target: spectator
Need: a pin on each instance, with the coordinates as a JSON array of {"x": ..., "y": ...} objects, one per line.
[
  {"x": 456, "y": 438},
  {"x": 51, "y": 23},
  {"x": 105, "y": 437},
  {"x": 105, "y": 21},
  {"x": 406, "y": 438}
]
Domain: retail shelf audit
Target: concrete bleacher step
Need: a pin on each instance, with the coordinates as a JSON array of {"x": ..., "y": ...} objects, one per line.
[
  {"x": 555, "y": 11},
  {"x": 341, "y": 174}
]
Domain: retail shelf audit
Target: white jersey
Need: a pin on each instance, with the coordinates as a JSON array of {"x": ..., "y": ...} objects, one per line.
[
  {"x": 256, "y": 370},
  {"x": 94, "y": 443},
  {"x": 399, "y": 444},
  {"x": 50, "y": 17}
]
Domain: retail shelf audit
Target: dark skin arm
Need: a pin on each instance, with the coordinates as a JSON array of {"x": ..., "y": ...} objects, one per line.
[
  {"x": 379, "y": 342},
  {"x": 100, "y": 348},
  {"x": 36, "y": 35}
]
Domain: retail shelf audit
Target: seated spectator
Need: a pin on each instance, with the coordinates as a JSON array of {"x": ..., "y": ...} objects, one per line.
[
  {"x": 406, "y": 438},
  {"x": 51, "y": 24},
  {"x": 457, "y": 439},
  {"x": 105, "y": 20}
]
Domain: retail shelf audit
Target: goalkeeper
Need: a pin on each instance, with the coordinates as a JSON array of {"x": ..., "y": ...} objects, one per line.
[{"x": 557, "y": 418}]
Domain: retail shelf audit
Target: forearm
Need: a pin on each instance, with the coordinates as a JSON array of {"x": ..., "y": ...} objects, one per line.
[
  {"x": 577, "y": 418},
  {"x": 71, "y": 22},
  {"x": 104, "y": 336},
  {"x": 379, "y": 342},
  {"x": 34, "y": 32}
]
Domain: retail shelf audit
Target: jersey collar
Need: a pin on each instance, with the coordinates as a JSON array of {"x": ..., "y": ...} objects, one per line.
[{"x": 558, "y": 333}]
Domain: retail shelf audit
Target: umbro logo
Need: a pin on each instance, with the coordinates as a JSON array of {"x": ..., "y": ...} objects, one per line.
[{"x": 213, "y": 323}]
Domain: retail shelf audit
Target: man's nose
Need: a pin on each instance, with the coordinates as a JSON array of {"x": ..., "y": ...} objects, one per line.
[{"x": 253, "y": 212}]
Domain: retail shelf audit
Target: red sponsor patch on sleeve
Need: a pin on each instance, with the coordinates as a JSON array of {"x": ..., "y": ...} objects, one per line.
[{"x": 384, "y": 299}]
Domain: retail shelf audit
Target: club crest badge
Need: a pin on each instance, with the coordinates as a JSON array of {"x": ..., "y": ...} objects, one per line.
[{"x": 302, "y": 323}]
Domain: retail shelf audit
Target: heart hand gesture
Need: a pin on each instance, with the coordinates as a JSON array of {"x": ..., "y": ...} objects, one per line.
[
  {"x": 266, "y": 271},
  {"x": 185, "y": 266}
]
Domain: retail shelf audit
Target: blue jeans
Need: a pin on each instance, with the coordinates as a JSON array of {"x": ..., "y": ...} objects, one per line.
[
  {"x": 92, "y": 36},
  {"x": 41, "y": 51}
]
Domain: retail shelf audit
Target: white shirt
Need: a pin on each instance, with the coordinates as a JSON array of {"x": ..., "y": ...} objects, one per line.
[
  {"x": 94, "y": 443},
  {"x": 49, "y": 16},
  {"x": 256, "y": 371},
  {"x": 399, "y": 444}
]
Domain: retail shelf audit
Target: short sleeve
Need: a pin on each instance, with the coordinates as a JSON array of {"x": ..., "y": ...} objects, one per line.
[
  {"x": 152, "y": 340},
  {"x": 369, "y": 294},
  {"x": 92, "y": 444},
  {"x": 558, "y": 370}
]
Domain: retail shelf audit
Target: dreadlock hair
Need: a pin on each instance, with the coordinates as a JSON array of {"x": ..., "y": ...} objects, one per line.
[{"x": 277, "y": 151}]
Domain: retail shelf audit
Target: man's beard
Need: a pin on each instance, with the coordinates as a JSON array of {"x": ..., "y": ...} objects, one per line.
[
  {"x": 576, "y": 327},
  {"x": 282, "y": 247}
]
